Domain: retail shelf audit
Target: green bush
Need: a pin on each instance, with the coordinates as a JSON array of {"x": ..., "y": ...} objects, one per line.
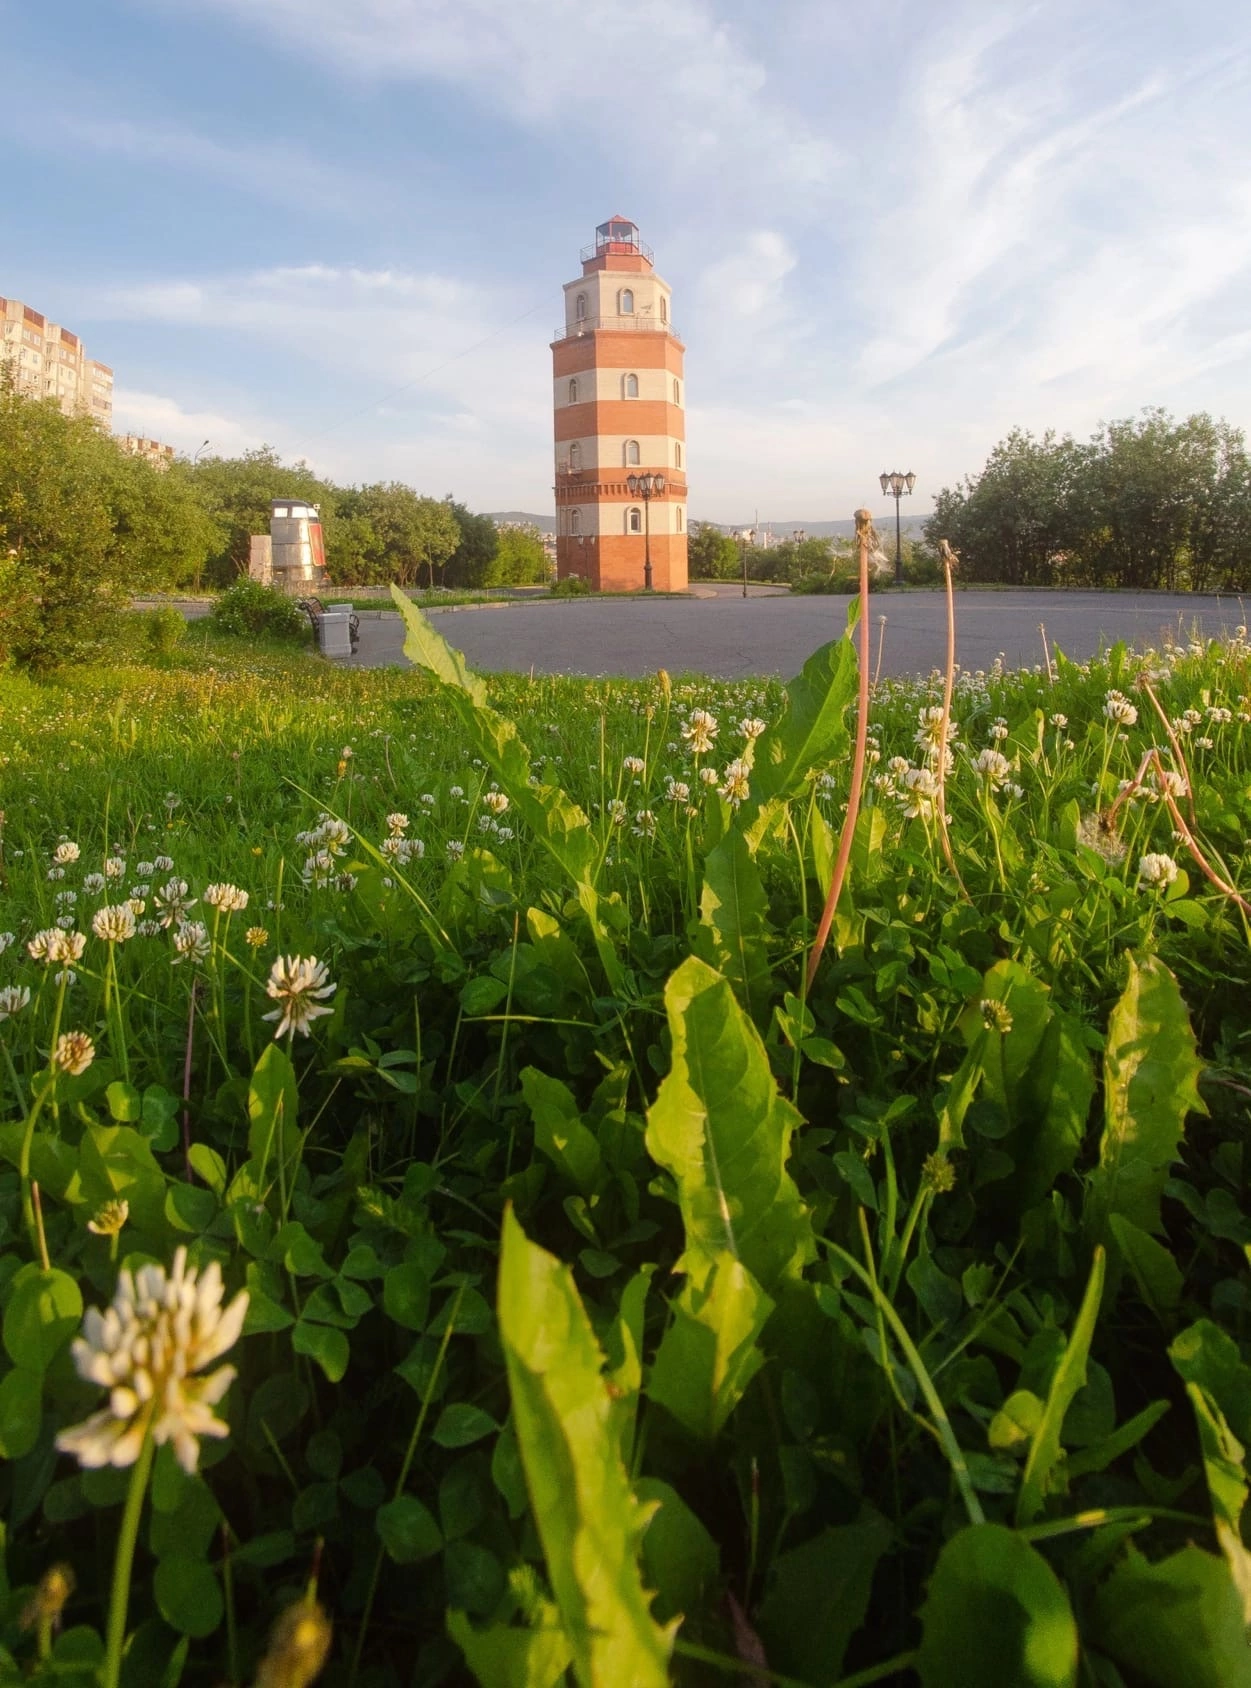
[
  {"x": 572, "y": 586},
  {"x": 826, "y": 584},
  {"x": 165, "y": 629},
  {"x": 247, "y": 609}
]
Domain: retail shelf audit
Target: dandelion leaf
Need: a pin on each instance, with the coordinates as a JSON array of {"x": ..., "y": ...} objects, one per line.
[
  {"x": 812, "y": 729},
  {"x": 709, "y": 1352},
  {"x": 1219, "y": 1387},
  {"x": 1069, "y": 1376},
  {"x": 558, "y": 1129},
  {"x": 1150, "y": 1075},
  {"x": 721, "y": 1128},
  {"x": 733, "y": 913},
  {"x": 588, "y": 1520}
]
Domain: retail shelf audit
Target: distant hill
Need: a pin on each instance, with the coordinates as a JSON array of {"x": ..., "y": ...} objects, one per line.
[{"x": 781, "y": 530}]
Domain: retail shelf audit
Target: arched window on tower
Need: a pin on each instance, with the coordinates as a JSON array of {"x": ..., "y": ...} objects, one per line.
[
  {"x": 575, "y": 521},
  {"x": 631, "y": 454},
  {"x": 677, "y": 391},
  {"x": 627, "y": 301},
  {"x": 632, "y": 386},
  {"x": 634, "y": 520},
  {"x": 677, "y": 455},
  {"x": 575, "y": 455},
  {"x": 681, "y": 520},
  {"x": 573, "y": 392},
  {"x": 579, "y": 309},
  {"x": 664, "y": 308}
]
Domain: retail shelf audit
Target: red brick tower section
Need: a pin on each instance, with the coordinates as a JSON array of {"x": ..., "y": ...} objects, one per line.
[{"x": 620, "y": 407}]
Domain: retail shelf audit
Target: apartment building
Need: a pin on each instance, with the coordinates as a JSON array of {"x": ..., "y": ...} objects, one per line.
[
  {"x": 49, "y": 363},
  {"x": 134, "y": 445}
]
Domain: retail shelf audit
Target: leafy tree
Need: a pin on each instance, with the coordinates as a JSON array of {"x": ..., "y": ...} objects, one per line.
[
  {"x": 471, "y": 561},
  {"x": 711, "y": 554},
  {"x": 520, "y": 559},
  {"x": 1017, "y": 521}
]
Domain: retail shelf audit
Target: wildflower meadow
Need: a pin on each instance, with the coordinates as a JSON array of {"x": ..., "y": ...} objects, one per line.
[{"x": 475, "y": 1207}]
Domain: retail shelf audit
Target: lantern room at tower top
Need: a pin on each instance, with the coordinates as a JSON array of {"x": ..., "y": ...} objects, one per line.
[
  {"x": 617, "y": 238},
  {"x": 619, "y": 407}
]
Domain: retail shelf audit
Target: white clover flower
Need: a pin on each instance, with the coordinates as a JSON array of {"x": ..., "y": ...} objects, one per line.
[
  {"x": 998, "y": 731},
  {"x": 7, "y": 940},
  {"x": 114, "y": 868},
  {"x": 456, "y": 791},
  {"x": 65, "y": 922},
  {"x": 504, "y": 833},
  {"x": 66, "y": 899},
  {"x": 231, "y": 899},
  {"x": 114, "y": 923},
  {"x": 74, "y": 1053},
  {"x": 1158, "y": 870},
  {"x": 137, "y": 894},
  {"x": 173, "y": 900},
  {"x": 93, "y": 883},
  {"x": 149, "y": 928},
  {"x": 994, "y": 766},
  {"x": 617, "y": 812},
  {"x": 65, "y": 853},
  {"x": 191, "y": 940},
  {"x": 700, "y": 731},
  {"x": 455, "y": 849},
  {"x": 13, "y": 998},
  {"x": 677, "y": 791},
  {"x": 162, "y": 864},
  {"x": 1219, "y": 715},
  {"x": 428, "y": 798},
  {"x": 1118, "y": 708},
  {"x": 634, "y": 765},
  {"x": 299, "y": 985},
  {"x": 397, "y": 824},
  {"x": 708, "y": 776},
  {"x": 55, "y": 873},
  {"x": 644, "y": 824},
  {"x": 495, "y": 801},
  {"x": 735, "y": 787},
  {"x": 751, "y": 726},
  {"x": 920, "y": 788},
  {"x": 486, "y": 824},
  {"x": 144, "y": 870},
  {"x": 1059, "y": 722},
  {"x": 146, "y": 1349}
]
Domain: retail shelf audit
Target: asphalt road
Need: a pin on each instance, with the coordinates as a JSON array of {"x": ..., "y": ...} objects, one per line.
[{"x": 730, "y": 637}]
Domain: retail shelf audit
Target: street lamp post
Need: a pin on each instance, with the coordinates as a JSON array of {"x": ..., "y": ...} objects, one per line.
[
  {"x": 646, "y": 486},
  {"x": 799, "y": 535},
  {"x": 745, "y": 537},
  {"x": 898, "y": 484}
]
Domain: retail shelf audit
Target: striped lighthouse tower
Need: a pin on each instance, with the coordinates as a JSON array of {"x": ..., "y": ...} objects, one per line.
[{"x": 619, "y": 395}]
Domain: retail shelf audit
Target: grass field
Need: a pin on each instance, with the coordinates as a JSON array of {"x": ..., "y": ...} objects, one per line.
[{"x": 621, "y": 1306}]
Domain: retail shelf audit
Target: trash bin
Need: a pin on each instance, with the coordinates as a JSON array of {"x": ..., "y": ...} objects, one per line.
[{"x": 334, "y": 631}]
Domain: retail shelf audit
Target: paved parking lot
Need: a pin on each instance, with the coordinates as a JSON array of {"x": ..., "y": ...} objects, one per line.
[{"x": 731, "y": 637}]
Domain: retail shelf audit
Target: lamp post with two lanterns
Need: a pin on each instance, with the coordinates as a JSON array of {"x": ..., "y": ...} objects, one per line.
[
  {"x": 898, "y": 484},
  {"x": 646, "y": 486}
]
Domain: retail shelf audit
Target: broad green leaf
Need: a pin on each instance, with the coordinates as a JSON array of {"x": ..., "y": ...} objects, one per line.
[
  {"x": 21, "y": 1412},
  {"x": 1150, "y": 1076},
  {"x": 680, "y": 1558},
  {"x": 1175, "y": 1624},
  {"x": 273, "y": 1106},
  {"x": 504, "y": 1657},
  {"x": 408, "y": 1530},
  {"x": 709, "y": 1352},
  {"x": 188, "y": 1595},
  {"x": 1208, "y": 1360},
  {"x": 812, "y": 729},
  {"x": 720, "y": 1126},
  {"x": 733, "y": 912},
  {"x": 42, "y": 1314},
  {"x": 323, "y": 1343},
  {"x": 996, "y": 1615},
  {"x": 587, "y": 1519},
  {"x": 1155, "y": 1271},
  {"x": 818, "y": 1596},
  {"x": 558, "y": 1129},
  {"x": 460, "y": 1424},
  {"x": 1069, "y": 1376}
]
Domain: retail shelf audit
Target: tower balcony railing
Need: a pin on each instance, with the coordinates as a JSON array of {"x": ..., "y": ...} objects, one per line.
[
  {"x": 618, "y": 249},
  {"x": 636, "y": 322}
]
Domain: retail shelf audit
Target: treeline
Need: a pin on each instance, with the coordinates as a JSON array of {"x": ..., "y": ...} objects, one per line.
[
  {"x": 82, "y": 525},
  {"x": 1147, "y": 502}
]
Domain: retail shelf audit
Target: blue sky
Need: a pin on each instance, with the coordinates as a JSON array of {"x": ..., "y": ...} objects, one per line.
[{"x": 893, "y": 231}]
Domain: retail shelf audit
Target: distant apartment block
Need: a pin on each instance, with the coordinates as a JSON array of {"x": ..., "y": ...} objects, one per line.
[
  {"x": 49, "y": 363},
  {"x": 158, "y": 455}
]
